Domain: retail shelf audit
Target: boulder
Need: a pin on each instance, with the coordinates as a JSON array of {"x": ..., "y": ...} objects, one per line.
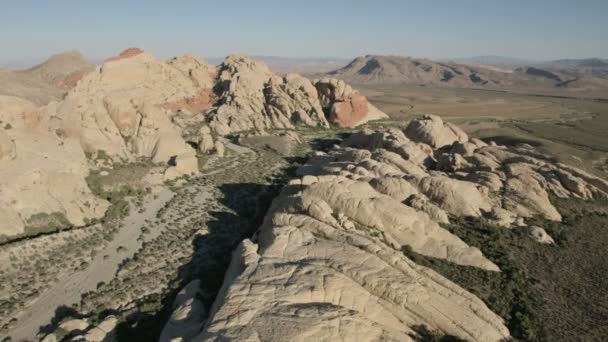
[
  {"x": 422, "y": 203},
  {"x": 540, "y": 235},
  {"x": 103, "y": 332},
  {"x": 182, "y": 164},
  {"x": 395, "y": 187},
  {"x": 459, "y": 198},
  {"x": 205, "y": 141},
  {"x": 219, "y": 149},
  {"x": 345, "y": 107},
  {"x": 433, "y": 131},
  {"x": 74, "y": 325}
]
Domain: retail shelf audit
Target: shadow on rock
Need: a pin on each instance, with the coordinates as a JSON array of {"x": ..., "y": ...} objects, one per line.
[{"x": 243, "y": 209}]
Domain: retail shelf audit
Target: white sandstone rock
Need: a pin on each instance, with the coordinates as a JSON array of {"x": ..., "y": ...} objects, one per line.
[{"x": 540, "y": 235}]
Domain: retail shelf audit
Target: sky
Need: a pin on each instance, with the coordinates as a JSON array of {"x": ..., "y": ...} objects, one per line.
[{"x": 534, "y": 29}]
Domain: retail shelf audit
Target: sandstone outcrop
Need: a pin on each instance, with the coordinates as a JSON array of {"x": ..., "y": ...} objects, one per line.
[
  {"x": 136, "y": 107},
  {"x": 125, "y": 108},
  {"x": 345, "y": 107},
  {"x": 433, "y": 131},
  {"x": 328, "y": 262},
  {"x": 205, "y": 141},
  {"x": 42, "y": 173},
  {"x": 463, "y": 176},
  {"x": 251, "y": 97},
  {"x": 328, "y": 265}
]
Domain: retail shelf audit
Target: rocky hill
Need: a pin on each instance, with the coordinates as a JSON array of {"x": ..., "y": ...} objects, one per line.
[
  {"x": 135, "y": 107},
  {"x": 405, "y": 70},
  {"x": 396, "y": 69},
  {"x": 47, "y": 81},
  {"x": 61, "y": 69}
]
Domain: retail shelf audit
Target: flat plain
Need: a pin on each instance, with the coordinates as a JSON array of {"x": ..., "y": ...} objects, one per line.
[
  {"x": 573, "y": 130},
  {"x": 545, "y": 293}
]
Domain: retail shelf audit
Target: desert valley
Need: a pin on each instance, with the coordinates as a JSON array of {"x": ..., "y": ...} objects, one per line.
[
  {"x": 304, "y": 171},
  {"x": 390, "y": 199}
]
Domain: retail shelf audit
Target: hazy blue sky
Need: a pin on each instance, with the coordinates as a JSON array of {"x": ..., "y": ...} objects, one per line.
[{"x": 536, "y": 29}]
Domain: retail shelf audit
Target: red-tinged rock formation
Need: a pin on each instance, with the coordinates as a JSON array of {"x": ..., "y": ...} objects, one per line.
[
  {"x": 198, "y": 103},
  {"x": 345, "y": 106},
  {"x": 349, "y": 111},
  {"x": 72, "y": 79},
  {"x": 130, "y": 52}
]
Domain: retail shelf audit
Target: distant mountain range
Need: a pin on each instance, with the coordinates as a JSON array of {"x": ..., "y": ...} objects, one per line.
[
  {"x": 590, "y": 65},
  {"x": 586, "y": 78}
]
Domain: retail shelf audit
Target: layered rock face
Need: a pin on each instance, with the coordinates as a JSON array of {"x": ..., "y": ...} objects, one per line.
[
  {"x": 327, "y": 263},
  {"x": 42, "y": 172}
]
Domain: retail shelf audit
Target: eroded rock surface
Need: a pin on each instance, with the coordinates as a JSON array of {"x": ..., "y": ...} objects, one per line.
[
  {"x": 328, "y": 266},
  {"x": 345, "y": 106},
  {"x": 42, "y": 173},
  {"x": 327, "y": 263},
  {"x": 126, "y": 108},
  {"x": 251, "y": 97},
  {"x": 135, "y": 107}
]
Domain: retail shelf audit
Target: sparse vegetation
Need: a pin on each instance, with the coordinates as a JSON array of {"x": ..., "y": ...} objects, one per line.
[
  {"x": 44, "y": 223},
  {"x": 544, "y": 292}
]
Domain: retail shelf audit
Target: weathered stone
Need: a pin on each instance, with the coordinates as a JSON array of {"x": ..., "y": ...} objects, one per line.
[{"x": 540, "y": 235}]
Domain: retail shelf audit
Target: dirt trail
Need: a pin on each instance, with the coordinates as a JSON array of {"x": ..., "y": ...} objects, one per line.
[{"x": 102, "y": 268}]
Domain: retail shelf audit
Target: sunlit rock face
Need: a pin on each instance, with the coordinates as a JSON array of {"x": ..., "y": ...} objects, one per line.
[
  {"x": 327, "y": 263},
  {"x": 42, "y": 173}
]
